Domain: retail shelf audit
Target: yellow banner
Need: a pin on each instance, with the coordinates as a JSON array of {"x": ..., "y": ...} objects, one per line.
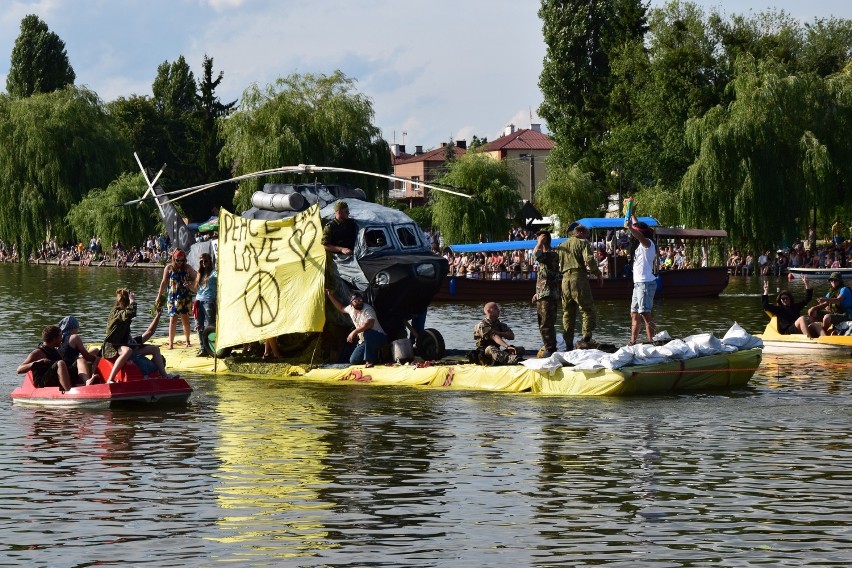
[{"x": 271, "y": 277}]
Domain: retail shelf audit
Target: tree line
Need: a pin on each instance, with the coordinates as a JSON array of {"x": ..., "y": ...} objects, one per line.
[
  {"x": 66, "y": 156},
  {"x": 741, "y": 122}
]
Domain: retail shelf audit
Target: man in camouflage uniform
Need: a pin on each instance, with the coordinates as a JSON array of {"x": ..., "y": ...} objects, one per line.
[
  {"x": 490, "y": 335},
  {"x": 546, "y": 297},
  {"x": 576, "y": 261}
]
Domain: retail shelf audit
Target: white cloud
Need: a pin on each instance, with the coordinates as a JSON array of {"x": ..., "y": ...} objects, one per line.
[{"x": 222, "y": 5}]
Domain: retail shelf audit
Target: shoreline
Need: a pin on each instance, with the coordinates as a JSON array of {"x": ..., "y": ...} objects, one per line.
[{"x": 147, "y": 265}]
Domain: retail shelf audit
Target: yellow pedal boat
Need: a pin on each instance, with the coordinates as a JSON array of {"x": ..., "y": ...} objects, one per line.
[{"x": 776, "y": 343}]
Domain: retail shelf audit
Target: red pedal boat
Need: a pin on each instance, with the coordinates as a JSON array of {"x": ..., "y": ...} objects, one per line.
[{"x": 130, "y": 388}]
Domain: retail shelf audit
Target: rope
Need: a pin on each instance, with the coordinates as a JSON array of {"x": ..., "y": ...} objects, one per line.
[{"x": 634, "y": 373}]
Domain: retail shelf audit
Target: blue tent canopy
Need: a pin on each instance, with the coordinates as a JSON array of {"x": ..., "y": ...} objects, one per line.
[
  {"x": 612, "y": 222},
  {"x": 499, "y": 246}
]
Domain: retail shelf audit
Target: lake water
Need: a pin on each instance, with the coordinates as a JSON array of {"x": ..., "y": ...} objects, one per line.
[{"x": 279, "y": 473}]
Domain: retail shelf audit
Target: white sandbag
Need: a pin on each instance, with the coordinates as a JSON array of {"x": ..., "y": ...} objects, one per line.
[
  {"x": 662, "y": 336},
  {"x": 621, "y": 358},
  {"x": 545, "y": 364},
  {"x": 704, "y": 344},
  {"x": 740, "y": 338},
  {"x": 278, "y": 201},
  {"x": 680, "y": 350},
  {"x": 644, "y": 354}
]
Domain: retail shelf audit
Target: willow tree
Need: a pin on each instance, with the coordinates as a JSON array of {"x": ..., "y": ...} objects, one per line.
[
  {"x": 54, "y": 148},
  {"x": 569, "y": 192},
  {"x": 767, "y": 157},
  {"x": 100, "y": 213},
  {"x": 490, "y": 211},
  {"x": 304, "y": 119}
]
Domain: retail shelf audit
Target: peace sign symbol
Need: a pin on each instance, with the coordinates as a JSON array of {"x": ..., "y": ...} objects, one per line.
[{"x": 261, "y": 298}]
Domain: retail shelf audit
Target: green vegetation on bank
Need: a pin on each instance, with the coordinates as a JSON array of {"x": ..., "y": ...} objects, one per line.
[{"x": 738, "y": 122}]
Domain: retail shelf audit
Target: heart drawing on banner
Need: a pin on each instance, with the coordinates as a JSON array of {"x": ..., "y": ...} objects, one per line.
[{"x": 302, "y": 240}]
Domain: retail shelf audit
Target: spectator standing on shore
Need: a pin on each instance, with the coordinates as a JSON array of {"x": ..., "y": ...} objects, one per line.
[{"x": 837, "y": 232}]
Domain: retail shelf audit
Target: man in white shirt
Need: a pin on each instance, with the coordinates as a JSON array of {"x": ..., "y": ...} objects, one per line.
[
  {"x": 644, "y": 280},
  {"x": 369, "y": 332}
]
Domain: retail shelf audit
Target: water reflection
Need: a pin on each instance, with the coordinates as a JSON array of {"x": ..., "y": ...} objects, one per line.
[
  {"x": 281, "y": 472},
  {"x": 271, "y": 453}
]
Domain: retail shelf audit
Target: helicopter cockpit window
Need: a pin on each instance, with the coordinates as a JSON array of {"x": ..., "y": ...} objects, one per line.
[
  {"x": 406, "y": 237},
  {"x": 375, "y": 238}
]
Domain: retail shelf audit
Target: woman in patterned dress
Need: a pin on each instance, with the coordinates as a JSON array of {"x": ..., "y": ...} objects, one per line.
[{"x": 178, "y": 277}]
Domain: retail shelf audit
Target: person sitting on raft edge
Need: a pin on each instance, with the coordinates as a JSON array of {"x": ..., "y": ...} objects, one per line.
[{"x": 490, "y": 335}]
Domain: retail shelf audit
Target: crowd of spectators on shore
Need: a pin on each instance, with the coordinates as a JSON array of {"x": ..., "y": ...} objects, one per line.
[
  {"x": 612, "y": 255},
  {"x": 800, "y": 255},
  {"x": 155, "y": 249}
]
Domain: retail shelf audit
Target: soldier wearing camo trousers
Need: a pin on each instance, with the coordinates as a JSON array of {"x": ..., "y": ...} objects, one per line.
[
  {"x": 546, "y": 297},
  {"x": 577, "y": 260},
  {"x": 490, "y": 335}
]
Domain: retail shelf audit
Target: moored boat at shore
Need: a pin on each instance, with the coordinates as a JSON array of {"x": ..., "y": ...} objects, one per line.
[
  {"x": 819, "y": 273},
  {"x": 703, "y": 282}
]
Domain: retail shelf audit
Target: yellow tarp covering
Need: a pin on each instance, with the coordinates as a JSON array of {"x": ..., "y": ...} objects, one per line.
[
  {"x": 726, "y": 370},
  {"x": 271, "y": 277}
]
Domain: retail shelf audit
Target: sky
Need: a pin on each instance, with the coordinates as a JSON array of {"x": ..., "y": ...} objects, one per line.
[{"x": 433, "y": 70}]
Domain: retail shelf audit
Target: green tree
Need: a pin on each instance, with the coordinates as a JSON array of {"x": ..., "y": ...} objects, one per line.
[
  {"x": 99, "y": 213},
  {"x": 212, "y": 111},
  {"x": 39, "y": 62},
  {"x": 581, "y": 36},
  {"x": 176, "y": 98},
  {"x": 174, "y": 89},
  {"x": 54, "y": 148},
  {"x": 496, "y": 200},
  {"x": 660, "y": 89},
  {"x": 569, "y": 192},
  {"x": 771, "y": 155},
  {"x": 476, "y": 142},
  {"x": 421, "y": 215},
  {"x": 828, "y": 46},
  {"x": 304, "y": 119},
  {"x": 141, "y": 124}
]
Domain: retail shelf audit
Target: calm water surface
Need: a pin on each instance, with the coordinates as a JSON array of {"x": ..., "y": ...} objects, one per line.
[{"x": 278, "y": 473}]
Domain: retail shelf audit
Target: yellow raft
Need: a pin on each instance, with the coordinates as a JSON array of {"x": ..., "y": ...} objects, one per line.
[
  {"x": 776, "y": 343},
  {"x": 722, "y": 371}
]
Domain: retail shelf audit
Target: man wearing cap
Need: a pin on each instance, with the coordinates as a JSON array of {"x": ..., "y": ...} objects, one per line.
[
  {"x": 644, "y": 280},
  {"x": 836, "y": 305},
  {"x": 338, "y": 236},
  {"x": 367, "y": 330},
  {"x": 576, "y": 260},
  {"x": 546, "y": 295}
]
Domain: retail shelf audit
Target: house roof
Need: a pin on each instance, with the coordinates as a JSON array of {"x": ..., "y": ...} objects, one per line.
[
  {"x": 436, "y": 155},
  {"x": 403, "y": 156},
  {"x": 522, "y": 139}
]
